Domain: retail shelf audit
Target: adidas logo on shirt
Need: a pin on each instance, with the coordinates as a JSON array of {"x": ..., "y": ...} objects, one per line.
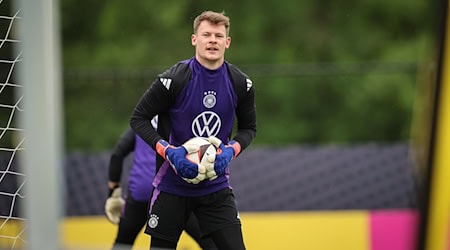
[
  {"x": 166, "y": 82},
  {"x": 249, "y": 84}
]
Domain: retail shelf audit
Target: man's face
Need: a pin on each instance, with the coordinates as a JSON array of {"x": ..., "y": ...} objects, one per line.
[{"x": 210, "y": 42}]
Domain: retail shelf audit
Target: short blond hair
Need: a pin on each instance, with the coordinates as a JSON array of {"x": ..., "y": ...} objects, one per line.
[{"x": 217, "y": 18}]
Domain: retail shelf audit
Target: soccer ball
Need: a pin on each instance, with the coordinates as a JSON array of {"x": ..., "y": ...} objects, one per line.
[{"x": 204, "y": 157}]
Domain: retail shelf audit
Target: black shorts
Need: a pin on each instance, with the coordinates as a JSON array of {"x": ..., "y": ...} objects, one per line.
[
  {"x": 169, "y": 213},
  {"x": 132, "y": 221}
]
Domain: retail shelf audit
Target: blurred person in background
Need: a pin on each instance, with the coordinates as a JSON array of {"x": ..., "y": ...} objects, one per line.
[
  {"x": 198, "y": 97},
  {"x": 131, "y": 214}
]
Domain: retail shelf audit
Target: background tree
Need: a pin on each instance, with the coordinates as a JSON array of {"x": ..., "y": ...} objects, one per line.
[{"x": 324, "y": 71}]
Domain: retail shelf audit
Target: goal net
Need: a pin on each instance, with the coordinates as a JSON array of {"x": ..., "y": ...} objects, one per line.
[
  {"x": 12, "y": 180},
  {"x": 30, "y": 126}
]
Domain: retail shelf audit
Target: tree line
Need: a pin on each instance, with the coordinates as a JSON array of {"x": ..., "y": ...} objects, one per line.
[{"x": 324, "y": 71}]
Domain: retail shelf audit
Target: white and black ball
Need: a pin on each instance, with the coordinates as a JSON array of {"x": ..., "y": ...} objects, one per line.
[{"x": 204, "y": 157}]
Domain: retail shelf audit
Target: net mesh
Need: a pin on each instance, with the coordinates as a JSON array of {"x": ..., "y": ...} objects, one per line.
[{"x": 12, "y": 180}]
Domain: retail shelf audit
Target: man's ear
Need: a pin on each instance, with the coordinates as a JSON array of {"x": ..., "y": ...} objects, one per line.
[
  {"x": 228, "y": 42},
  {"x": 193, "y": 39}
]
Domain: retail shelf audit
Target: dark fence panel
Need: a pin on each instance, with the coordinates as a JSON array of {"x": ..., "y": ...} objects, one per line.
[
  {"x": 294, "y": 178},
  {"x": 369, "y": 176}
]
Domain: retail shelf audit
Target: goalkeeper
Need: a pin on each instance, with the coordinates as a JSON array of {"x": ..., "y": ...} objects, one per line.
[
  {"x": 201, "y": 96},
  {"x": 135, "y": 209}
]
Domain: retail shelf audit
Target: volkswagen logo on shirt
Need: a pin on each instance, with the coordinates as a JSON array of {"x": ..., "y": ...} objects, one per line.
[{"x": 206, "y": 124}]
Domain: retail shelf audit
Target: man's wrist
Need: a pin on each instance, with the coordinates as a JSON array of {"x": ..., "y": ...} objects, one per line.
[
  {"x": 161, "y": 147},
  {"x": 236, "y": 147},
  {"x": 113, "y": 184}
]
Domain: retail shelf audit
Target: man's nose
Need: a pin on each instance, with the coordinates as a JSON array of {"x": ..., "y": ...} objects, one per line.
[{"x": 213, "y": 39}]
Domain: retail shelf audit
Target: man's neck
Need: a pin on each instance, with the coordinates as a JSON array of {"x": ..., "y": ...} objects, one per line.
[{"x": 211, "y": 65}]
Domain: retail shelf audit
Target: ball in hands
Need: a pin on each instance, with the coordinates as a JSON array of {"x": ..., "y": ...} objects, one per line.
[{"x": 204, "y": 157}]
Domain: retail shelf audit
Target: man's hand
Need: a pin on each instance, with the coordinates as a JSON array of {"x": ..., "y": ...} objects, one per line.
[
  {"x": 177, "y": 158},
  {"x": 225, "y": 153},
  {"x": 114, "y": 204}
]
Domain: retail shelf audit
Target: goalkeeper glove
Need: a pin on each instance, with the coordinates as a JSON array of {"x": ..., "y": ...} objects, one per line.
[
  {"x": 114, "y": 204},
  {"x": 225, "y": 153},
  {"x": 177, "y": 158}
]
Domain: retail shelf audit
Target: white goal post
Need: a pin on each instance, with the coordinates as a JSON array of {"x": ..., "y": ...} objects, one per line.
[{"x": 40, "y": 76}]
